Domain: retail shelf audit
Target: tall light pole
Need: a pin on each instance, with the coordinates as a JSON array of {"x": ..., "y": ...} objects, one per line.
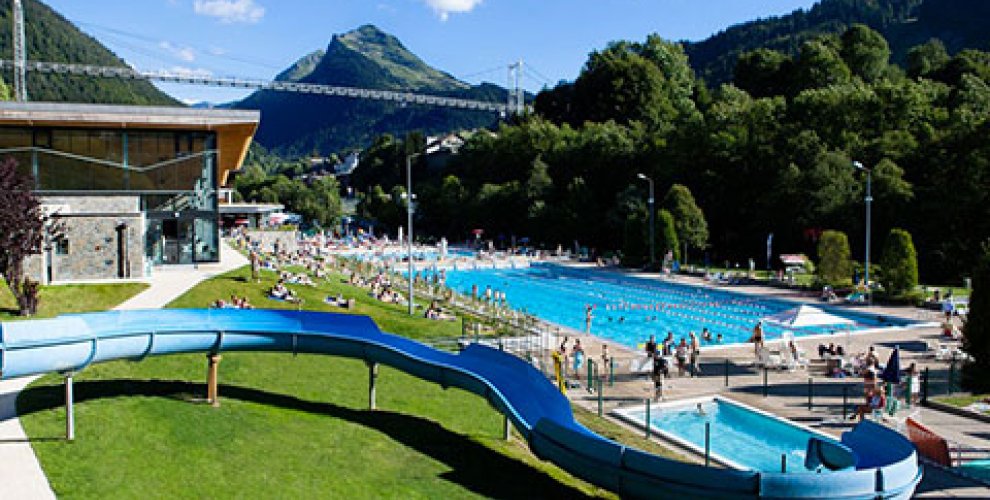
[
  {"x": 869, "y": 202},
  {"x": 409, "y": 226},
  {"x": 650, "y": 201}
]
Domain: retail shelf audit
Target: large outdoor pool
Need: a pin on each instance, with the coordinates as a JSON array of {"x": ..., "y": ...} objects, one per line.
[
  {"x": 739, "y": 436},
  {"x": 628, "y": 310}
]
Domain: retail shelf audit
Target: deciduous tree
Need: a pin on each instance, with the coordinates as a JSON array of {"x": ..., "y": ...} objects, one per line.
[{"x": 23, "y": 229}]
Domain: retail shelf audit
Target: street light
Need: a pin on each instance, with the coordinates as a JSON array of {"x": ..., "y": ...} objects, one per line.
[
  {"x": 869, "y": 202},
  {"x": 653, "y": 258},
  {"x": 409, "y": 225}
]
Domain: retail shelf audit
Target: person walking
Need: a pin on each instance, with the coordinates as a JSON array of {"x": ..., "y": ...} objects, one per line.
[{"x": 695, "y": 353}]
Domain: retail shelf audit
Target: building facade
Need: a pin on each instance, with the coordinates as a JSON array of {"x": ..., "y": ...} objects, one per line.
[{"x": 133, "y": 186}]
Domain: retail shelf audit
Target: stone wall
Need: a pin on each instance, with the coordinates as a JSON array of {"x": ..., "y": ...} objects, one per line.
[{"x": 91, "y": 234}]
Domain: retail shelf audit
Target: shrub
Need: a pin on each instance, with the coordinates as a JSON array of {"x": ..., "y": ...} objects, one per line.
[
  {"x": 899, "y": 262},
  {"x": 834, "y": 265}
]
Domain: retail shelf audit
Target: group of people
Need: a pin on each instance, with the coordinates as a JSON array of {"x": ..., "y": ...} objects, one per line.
[
  {"x": 577, "y": 356},
  {"x": 434, "y": 312},
  {"x": 234, "y": 303},
  {"x": 280, "y": 292}
]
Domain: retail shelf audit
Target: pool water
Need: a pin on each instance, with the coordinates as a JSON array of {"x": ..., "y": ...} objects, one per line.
[
  {"x": 746, "y": 438},
  {"x": 628, "y": 310}
]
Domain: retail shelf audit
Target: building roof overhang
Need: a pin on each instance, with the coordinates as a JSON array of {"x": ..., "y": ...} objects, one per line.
[{"x": 234, "y": 128}]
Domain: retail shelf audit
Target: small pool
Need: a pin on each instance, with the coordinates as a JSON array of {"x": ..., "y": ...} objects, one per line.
[
  {"x": 741, "y": 437},
  {"x": 628, "y": 310}
]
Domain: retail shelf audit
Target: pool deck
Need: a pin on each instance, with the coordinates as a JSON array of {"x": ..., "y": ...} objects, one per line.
[{"x": 787, "y": 393}]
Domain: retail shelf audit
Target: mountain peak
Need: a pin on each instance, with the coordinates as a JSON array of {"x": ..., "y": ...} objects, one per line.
[
  {"x": 369, "y": 33},
  {"x": 370, "y": 57}
]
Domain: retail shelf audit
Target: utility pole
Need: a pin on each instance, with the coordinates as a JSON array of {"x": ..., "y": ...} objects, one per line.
[{"x": 20, "y": 53}]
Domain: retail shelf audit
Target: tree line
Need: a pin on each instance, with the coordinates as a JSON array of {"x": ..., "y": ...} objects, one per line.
[{"x": 770, "y": 152}]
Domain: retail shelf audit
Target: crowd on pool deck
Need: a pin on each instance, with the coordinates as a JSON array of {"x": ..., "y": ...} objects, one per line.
[{"x": 317, "y": 256}]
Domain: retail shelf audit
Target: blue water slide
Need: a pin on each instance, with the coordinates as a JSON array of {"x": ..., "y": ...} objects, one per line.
[{"x": 886, "y": 465}]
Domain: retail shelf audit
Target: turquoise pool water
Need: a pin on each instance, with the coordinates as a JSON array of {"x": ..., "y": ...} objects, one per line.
[
  {"x": 628, "y": 310},
  {"x": 747, "y": 438},
  {"x": 978, "y": 468}
]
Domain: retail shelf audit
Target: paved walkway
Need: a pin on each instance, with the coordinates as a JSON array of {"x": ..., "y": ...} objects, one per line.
[{"x": 21, "y": 477}]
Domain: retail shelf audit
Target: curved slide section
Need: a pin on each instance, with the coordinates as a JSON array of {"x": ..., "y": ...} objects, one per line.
[{"x": 886, "y": 463}]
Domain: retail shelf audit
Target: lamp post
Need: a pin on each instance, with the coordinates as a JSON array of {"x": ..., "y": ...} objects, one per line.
[
  {"x": 650, "y": 201},
  {"x": 869, "y": 203},
  {"x": 409, "y": 226}
]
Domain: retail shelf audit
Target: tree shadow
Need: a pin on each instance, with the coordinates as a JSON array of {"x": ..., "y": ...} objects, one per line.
[{"x": 473, "y": 466}]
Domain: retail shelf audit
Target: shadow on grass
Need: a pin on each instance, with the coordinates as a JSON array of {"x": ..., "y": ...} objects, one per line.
[{"x": 473, "y": 465}]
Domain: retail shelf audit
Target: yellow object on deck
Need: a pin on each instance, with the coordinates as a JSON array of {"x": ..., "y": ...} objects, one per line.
[{"x": 558, "y": 365}]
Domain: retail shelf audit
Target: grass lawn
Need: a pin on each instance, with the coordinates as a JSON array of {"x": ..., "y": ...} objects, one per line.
[
  {"x": 962, "y": 401},
  {"x": 59, "y": 299},
  {"x": 288, "y": 427}
]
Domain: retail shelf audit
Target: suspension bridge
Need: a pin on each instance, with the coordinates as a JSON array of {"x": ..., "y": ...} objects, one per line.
[{"x": 514, "y": 104}]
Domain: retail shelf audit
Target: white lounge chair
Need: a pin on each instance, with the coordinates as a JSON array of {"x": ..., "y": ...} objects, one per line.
[{"x": 767, "y": 359}]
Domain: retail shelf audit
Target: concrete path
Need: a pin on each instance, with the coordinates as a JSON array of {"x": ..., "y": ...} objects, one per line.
[{"x": 21, "y": 476}]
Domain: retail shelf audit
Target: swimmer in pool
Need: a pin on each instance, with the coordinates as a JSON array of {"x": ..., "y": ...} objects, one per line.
[{"x": 701, "y": 411}]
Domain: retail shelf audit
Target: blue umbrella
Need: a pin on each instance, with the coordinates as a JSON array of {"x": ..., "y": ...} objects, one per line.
[{"x": 892, "y": 372}]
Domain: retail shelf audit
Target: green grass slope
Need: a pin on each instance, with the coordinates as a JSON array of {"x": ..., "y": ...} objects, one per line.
[{"x": 288, "y": 427}]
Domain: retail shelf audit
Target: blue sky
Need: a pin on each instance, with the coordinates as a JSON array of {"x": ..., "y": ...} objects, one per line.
[{"x": 474, "y": 40}]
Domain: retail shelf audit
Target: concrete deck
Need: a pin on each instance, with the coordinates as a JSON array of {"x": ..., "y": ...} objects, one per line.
[{"x": 787, "y": 393}]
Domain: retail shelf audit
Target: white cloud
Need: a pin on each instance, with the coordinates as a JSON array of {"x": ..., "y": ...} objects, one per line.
[
  {"x": 444, "y": 8},
  {"x": 186, "y": 54},
  {"x": 191, "y": 72},
  {"x": 230, "y": 11}
]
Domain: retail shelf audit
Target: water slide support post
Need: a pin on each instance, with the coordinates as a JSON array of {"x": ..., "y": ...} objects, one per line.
[
  {"x": 212, "y": 392},
  {"x": 70, "y": 418},
  {"x": 372, "y": 381}
]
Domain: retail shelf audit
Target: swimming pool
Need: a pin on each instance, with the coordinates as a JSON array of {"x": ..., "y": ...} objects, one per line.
[
  {"x": 740, "y": 437},
  {"x": 628, "y": 310}
]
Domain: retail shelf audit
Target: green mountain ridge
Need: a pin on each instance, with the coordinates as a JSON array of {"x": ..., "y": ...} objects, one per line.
[
  {"x": 51, "y": 37},
  {"x": 302, "y": 67},
  {"x": 298, "y": 124},
  {"x": 959, "y": 24}
]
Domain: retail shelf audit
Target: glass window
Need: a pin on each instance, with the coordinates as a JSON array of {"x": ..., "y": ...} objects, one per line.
[
  {"x": 206, "y": 242},
  {"x": 62, "y": 246}
]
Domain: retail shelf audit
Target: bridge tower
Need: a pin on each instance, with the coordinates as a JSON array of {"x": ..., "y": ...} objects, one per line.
[
  {"x": 516, "y": 97},
  {"x": 20, "y": 53}
]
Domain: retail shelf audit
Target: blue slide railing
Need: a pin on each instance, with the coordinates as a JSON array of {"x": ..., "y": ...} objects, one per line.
[{"x": 886, "y": 463}]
